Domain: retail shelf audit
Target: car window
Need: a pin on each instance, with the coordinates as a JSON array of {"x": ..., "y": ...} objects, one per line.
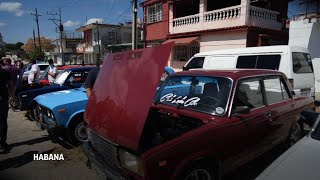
[
  {"x": 259, "y": 62},
  {"x": 248, "y": 93},
  {"x": 196, "y": 62},
  {"x": 275, "y": 90},
  {"x": 316, "y": 133},
  {"x": 302, "y": 63},
  {"x": 199, "y": 93},
  {"x": 247, "y": 62},
  {"x": 43, "y": 67}
]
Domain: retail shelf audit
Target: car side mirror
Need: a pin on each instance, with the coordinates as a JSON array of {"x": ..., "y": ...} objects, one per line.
[
  {"x": 309, "y": 117},
  {"x": 184, "y": 68},
  {"x": 317, "y": 103},
  {"x": 240, "y": 110}
]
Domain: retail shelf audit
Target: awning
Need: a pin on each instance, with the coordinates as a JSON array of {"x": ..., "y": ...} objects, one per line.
[{"x": 182, "y": 41}]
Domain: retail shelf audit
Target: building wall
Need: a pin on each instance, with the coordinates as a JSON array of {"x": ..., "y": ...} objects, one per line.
[
  {"x": 158, "y": 30},
  {"x": 223, "y": 40}
]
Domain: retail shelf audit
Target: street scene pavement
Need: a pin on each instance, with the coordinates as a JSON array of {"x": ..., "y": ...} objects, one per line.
[{"x": 26, "y": 139}]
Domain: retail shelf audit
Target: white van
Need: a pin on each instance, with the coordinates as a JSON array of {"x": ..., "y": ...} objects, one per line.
[{"x": 294, "y": 62}]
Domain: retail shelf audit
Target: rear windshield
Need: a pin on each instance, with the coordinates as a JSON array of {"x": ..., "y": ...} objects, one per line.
[
  {"x": 302, "y": 63},
  {"x": 196, "y": 62},
  {"x": 259, "y": 62},
  {"x": 43, "y": 67}
]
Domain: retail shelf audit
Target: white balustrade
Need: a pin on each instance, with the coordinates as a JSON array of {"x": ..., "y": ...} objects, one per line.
[
  {"x": 187, "y": 20},
  {"x": 222, "y": 14},
  {"x": 263, "y": 13}
]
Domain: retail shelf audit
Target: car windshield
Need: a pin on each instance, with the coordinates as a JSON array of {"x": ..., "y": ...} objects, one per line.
[
  {"x": 61, "y": 78},
  {"x": 200, "y": 93}
]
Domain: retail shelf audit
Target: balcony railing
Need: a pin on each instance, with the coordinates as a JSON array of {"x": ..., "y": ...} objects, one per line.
[
  {"x": 227, "y": 13},
  {"x": 193, "y": 19},
  {"x": 228, "y": 17}
]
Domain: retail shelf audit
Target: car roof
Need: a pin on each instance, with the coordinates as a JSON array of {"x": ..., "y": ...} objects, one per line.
[
  {"x": 80, "y": 68},
  {"x": 234, "y": 74}
]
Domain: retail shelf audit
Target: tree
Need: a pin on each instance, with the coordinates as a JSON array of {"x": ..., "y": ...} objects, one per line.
[
  {"x": 19, "y": 45},
  {"x": 46, "y": 44}
]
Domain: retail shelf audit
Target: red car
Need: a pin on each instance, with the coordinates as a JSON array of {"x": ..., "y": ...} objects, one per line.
[{"x": 199, "y": 125}]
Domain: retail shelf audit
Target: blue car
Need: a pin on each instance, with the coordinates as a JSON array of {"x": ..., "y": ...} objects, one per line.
[
  {"x": 61, "y": 113},
  {"x": 68, "y": 79}
]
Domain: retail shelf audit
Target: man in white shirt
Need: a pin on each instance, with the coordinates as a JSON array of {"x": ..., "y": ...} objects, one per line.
[
  {"x": 52, "y": 73},
  {"x": 34, "y": 74}
]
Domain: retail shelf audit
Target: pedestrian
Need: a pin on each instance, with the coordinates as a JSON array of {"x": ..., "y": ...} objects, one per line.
[
  {"x": 34, "y": 74},
  {"x": 14, "y": 73},
  {"x": 52, "y": 73},
  {"x": 6, "y": 92},
  {"x": 20, "y": 65},
  {"x": 1, "y": 62},
  {"x": 91, "y": 78}
]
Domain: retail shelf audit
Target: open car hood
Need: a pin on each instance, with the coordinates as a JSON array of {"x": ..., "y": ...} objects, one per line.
[{"x": 123, "y": 93}]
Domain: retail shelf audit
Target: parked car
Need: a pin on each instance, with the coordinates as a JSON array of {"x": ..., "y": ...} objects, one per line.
[
  {"x": 67, "y": 79},
  {"x": 302, "y": 160},
  {"x": 61, "y": 113},
  {"x": 44, "y": 76},
  {"x": 294, "y": 62},
  {"x": 223, "y": 120}
]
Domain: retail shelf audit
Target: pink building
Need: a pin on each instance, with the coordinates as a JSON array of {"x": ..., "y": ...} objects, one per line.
[{"x": 203, "y": 25}]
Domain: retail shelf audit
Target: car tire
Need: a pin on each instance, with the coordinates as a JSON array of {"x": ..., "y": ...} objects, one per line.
[
  {"x": 295, "y": 134},
  {"x": 77, "y": 132},
  {"x": 200, "y": 171}
]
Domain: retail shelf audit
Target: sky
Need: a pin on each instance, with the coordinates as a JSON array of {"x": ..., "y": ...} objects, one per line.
[{"x": 17, "y": 23}]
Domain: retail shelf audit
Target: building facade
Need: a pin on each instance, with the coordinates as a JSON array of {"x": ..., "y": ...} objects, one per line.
[
  {"x": 203, "y": 25},
  {"x": 70, "y": 40},
  {"x": 100, "y": 39}
]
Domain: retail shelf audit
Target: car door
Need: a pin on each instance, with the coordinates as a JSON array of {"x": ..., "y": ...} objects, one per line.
[
  {"x": 254, "y": 124},
  {"x": 281, "y": 108}
]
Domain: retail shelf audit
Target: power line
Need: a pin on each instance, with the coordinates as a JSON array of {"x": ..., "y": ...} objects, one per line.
[{"x": 114, "y": 2}]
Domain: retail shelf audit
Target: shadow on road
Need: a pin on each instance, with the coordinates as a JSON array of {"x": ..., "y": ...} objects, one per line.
[
  {"x": 31, "y": 142},
  {"x": 22, "y": 160}
]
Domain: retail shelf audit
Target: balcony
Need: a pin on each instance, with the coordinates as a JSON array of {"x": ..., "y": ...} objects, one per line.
[{"x": 227, "y": 17}]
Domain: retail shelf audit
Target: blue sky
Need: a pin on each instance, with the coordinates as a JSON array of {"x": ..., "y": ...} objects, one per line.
[{"x": 17, "y": 23}]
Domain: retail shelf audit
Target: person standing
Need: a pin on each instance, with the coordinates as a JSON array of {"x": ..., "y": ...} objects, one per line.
[
  {"x": 34, "y": 74},
  {"x": 91, "y": 79},
  {"x": 6, "y": 91},
  {"x": 52, "y": 73},
  {"x": 14, "y": 71}
]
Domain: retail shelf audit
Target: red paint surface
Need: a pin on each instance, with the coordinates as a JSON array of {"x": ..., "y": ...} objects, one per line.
[{"x": 123, "y": 94}]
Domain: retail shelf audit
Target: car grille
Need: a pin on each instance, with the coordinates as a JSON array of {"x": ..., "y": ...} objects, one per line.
[{"x": 105, "y": 149}]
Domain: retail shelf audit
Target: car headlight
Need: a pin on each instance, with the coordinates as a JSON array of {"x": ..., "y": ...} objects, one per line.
[{"x": 131, "y": 162}]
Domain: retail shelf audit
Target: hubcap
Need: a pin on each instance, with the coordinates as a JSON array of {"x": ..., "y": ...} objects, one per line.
[
  {"x": 295, "y": 134},
  {"x": 199, "y": 174},
  {"x": 81, "y": 132}
]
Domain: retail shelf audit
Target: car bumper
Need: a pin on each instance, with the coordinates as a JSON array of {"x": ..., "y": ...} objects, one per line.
[{"x": 97, "y": 164}]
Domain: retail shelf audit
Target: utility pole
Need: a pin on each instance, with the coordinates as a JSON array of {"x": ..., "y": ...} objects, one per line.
[
  {"x": 134, "y": 24},
  {"x": 60, "y": 26},
  {"x": 37, "y": 20},
  {"x": 34, "y": 41},
  {"x": 98, "y": 32}
]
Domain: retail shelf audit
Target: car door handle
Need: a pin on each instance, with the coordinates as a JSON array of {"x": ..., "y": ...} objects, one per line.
[
  {"x": 293, "y": 105},
  {"x": 268, "y": 114}
]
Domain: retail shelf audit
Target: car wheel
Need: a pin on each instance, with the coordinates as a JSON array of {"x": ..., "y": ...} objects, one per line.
[
  {"x": 201, "y": 171},
  {"x": 77, "y": 132},
  {"x": 295, "y": 134}
]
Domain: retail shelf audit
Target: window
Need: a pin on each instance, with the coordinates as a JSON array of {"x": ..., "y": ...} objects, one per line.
[
  {"x": 196, "y": 62},
  {"x": 276, "y": 90},
  {"x": 154, "y": 13},
  {"x": 249, "y": 94},
  {"x": 259, "y": 62},
  {"x": 302, "y": 63}
]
